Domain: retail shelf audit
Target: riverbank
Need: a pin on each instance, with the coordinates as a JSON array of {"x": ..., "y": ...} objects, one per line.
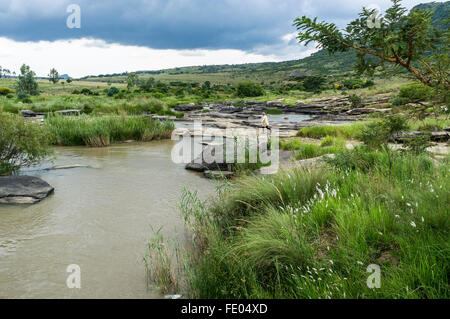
[
  {"x": 99, "y": 217},
  {"x": 316, "y": 228},
  {"x": 313, "y": 233}
]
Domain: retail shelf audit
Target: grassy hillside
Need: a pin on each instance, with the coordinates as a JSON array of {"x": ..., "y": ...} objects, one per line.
[
  {"x": 320, "y": 63},
  {"x": 267, "y": 73}
]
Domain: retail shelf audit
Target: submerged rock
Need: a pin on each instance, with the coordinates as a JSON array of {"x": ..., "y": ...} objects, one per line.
[
  {"x": 205, "y": 162},
  {"x": 65, "y": 167},
  {"x": 23, "y": 190}
]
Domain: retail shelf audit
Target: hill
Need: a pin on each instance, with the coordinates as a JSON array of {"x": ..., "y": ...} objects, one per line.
[{"x": 319, "y": 63}]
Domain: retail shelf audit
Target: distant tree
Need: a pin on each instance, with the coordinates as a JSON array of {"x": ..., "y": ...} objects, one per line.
[
  {"x": 401, "y": 39},
  {"x": 69, "y": 80},
  {"x": 26, "y": 82},
  {"x": 132, "y": 80},
  {"x": 53, "y": 76},
  {"x": 206, "y": 85},
  {"x": 4, "y": 72},
  {"x": 22, "y": 143},
  {"x": 249, "y": 89},
  {"x": 147, "y": 85},
  {"x": 112, "y": 91}
]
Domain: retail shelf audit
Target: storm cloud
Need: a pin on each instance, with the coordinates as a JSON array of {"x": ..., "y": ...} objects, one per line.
[{"x": 172, "y": 24}]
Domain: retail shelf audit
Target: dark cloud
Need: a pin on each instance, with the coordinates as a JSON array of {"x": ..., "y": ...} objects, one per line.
[{"x": 169, "y": 24}]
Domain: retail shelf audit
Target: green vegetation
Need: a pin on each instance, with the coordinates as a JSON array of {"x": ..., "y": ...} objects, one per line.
[
  {"x": 249, "y": 89},
  {"x": 5, "y": 91},
  {"x": 99, "y": 131},
  {"x": 53, "y": 76},
  {"x": 273, "y": 111},
  {"x": 22, "y": 143},
  {"x": 329, "y": 145},
  {"x": 345, "y": 131},
  {"x": 413, "y": 93},
  {"x": 313, "y": 233},
  {"x": 26, "y": 83},
  {"x": 401, "y": 39}
]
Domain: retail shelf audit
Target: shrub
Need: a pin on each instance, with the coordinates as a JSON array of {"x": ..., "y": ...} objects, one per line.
[
  {"x": 355, "y": 100},
  {"x": 85, "y": 91},
  {"x": 5, "y": 91},
  {"x": 417, "y": 144},
  {"x": 112, "y": 91},
  {"x": 26, "y": 82},
  {"x": 274, "y": 111},
  {"x": 314, "y": 83},
  {"x": 377, "y": 134},
  {"x": 22, "y": 96},
  {"x": 249, "y": 89},
  {"x": 22, "y": 143},
  {"x": 415, "y": 93}
]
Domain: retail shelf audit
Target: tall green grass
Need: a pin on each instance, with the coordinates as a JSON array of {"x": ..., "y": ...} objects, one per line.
[
  {"x": 329, "y": 145},
  {"x": 313, "y": 234},
  {"x": 98, "y": 131},
  {"x": 344, "y": 131}
]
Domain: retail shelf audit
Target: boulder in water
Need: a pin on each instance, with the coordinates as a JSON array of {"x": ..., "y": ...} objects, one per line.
[{"x": 23, "y": 190}]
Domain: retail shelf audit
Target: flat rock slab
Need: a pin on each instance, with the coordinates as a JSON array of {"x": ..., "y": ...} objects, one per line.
[
  {"x": 23, "y": 190},
  {"x": 65, "y": 167}
]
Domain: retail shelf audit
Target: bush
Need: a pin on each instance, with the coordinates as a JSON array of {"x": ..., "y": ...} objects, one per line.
[
  {"x": 22, "y": 96},
  {"x": 22, "y": 143},
  {"x": 84, "y": 91},
  {"x": 249, "y": 89},
  {"x": 314, "y": 83},
  {"x": 26, "y": 81},
  {"x": 5, "y": 91},
  {"x": 415, "y": 93},
  {"x": 355, "y": 100},
  {"x": 112, "y": 91},
  {"x": 274, "y": 111},
  {"x": 347, "y": 131},
  {"x": 377, "y": 134}
]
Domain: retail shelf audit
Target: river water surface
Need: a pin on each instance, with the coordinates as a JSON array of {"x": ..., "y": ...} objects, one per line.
[{"x": 99, "y": 218}]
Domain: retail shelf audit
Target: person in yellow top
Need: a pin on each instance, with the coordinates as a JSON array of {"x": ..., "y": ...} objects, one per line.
[{"x": 265, "y": 122}]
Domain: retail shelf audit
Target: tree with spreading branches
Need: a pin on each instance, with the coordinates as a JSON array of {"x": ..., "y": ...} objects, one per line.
[
  {"x": 399, "y": 39},
  {"x": 53, "y": 76}
]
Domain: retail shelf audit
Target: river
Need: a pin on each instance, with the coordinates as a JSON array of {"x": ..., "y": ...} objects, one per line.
[{"x": 99, "y": 218}]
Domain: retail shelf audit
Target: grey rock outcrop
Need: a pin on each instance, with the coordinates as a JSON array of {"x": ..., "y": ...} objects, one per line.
[{"x": 23, "y": 190}]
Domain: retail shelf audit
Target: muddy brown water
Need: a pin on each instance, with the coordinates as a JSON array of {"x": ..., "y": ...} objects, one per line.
[{"x": 99, "y": 218}]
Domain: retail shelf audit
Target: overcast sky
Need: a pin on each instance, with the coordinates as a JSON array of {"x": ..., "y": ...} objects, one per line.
[{"x": 118, "y": 36}]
